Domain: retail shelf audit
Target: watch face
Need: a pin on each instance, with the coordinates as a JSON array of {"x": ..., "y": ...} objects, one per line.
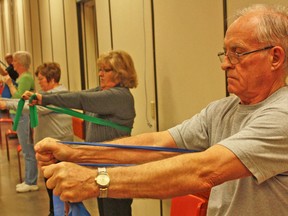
[{"x": 103, "y": 180}]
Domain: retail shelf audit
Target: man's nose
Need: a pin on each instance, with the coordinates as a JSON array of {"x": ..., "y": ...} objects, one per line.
[{"x": 226, "y": 64}]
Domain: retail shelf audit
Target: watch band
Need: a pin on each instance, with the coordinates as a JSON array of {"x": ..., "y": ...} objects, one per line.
[
  {"x": 102, "y": 180},
  {"x": 102, "y": 170},
  {"x": 103, "y": 192}
]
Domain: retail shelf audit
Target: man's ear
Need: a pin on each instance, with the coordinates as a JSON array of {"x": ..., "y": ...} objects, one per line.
[{"x": 278, "y": 57}]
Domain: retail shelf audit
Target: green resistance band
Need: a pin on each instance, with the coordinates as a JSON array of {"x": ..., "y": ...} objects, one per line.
[
  {"x": 34, "y": 116},
  {"x": 18, "y": 113},
  {"x": 32, "y": 110},
  {"x": 95, "y": 120}
]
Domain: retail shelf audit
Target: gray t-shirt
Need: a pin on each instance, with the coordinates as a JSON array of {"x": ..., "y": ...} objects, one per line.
[{"x": 258, "y": 136}]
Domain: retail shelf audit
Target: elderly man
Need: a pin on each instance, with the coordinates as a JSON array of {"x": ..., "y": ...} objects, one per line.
[{"x": 243, "y": 138}]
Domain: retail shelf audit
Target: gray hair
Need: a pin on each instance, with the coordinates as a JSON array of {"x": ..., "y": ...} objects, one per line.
[
  {"x": 23, "y": 58},
  {"x": 272, "y": 25}
]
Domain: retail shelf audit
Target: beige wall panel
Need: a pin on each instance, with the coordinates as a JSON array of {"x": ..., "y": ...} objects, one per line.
[
  {"x": 189, "y": 34},
  {"x": 103, "y": 25},
  {"x": 2, "y": 39},
  {"x": 146, "y": 207},
  {"x": 1, "y": 46},
  {"x": 16, "y": 26},
  {"x": 8, "y": 27},
  {"x": 27, "y": 31},
  {"x": 20, "y": 33},
  {"x": 73, "y": 64},
  {"x": 27, "y": 28},
  {"x": 131, "y": 24},
  {"x": 90, "y": 45},
  {"x": 58, "y": 38},
  {"x": 45, "y": 29},
  {"x": 35, "y": 36}
]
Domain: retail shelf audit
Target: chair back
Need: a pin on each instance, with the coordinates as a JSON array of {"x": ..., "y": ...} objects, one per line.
[
  {"x": 78, "y": 127},
  {"x": 189, "y": 205}
]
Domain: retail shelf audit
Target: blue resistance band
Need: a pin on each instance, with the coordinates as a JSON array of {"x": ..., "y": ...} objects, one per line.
[
  {"x": 152, "y": 148},
  {"x": 79, "y": 208}
]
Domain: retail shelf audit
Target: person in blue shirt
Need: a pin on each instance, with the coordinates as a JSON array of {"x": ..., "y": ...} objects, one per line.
[{"x": 9, "y": 70}]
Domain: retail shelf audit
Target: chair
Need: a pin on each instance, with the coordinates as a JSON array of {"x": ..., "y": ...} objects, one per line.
[
  {"x": 189, "y": 205},
  {"x": 9, "y": 133},
  {"x": 19, "y": 149},
  {"x": 4, "y": 120},
  {"x": 78, "y": 127}
]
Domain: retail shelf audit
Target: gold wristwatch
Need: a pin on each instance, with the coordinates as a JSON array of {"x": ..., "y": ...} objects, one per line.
[{"x": 102, "y": 180}]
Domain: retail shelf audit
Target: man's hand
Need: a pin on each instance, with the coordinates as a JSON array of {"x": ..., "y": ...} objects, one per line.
[
  {"x": 70, "y": 181},
  {"x": 50, "y": 151}
]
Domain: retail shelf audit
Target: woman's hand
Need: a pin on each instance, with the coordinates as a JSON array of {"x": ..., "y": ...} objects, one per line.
[
  {"x": 7, "y": 79},
  {"x": 37, "y": 101}
]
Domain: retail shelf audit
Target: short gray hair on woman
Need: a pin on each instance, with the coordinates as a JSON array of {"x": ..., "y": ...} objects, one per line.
[
  {"x": 272, "y": 27},
  {"x": 122, "y": 65},
  {"x": 23, "y": 58}
]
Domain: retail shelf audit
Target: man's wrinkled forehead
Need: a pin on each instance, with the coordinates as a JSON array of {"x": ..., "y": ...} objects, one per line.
[{"x": 241, "y": 31}]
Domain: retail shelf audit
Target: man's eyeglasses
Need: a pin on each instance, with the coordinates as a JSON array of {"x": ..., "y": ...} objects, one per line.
[
  {"x": 234, "y": 57},
  {"x": 105, "y": 70}
]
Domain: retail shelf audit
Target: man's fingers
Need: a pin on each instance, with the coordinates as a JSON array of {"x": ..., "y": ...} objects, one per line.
[{"x": 46, "y": 145}]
